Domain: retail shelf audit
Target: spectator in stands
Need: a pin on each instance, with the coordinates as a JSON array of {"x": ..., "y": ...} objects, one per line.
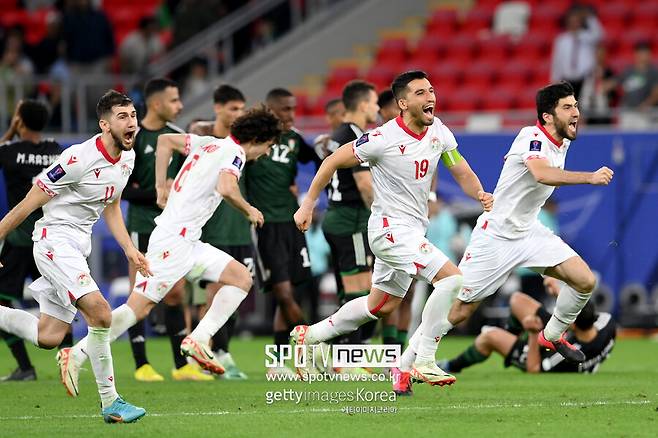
[
  {"x": 14, "y": 64},
  {"x": 388, "y": 106},
  {"x": 574, "y": 49},
  {"x": 192, "y": 16},
  {"x": 88, "y": 36},
  {"x": 639, "y": 82},
  {"x": 45, "y": 52},
  {"x": 140, "y": 47},
  {"x": 197, "y": 81},
  {"x": 598, "y": 93}
]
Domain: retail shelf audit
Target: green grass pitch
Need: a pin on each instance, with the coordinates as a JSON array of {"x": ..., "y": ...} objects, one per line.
[{"x": 487, "y": 400}]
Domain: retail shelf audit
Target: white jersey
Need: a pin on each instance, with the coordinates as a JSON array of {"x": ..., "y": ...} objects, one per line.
[
  {"x": 81, "y": 183},
  {"x": 403, "y": 164},
  {"x": 193, "y": 197},
  {"x": 518, "y": 196}
]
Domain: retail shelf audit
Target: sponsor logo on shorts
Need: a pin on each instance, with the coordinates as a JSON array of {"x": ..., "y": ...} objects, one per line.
[
  {"x": 435, "y": 143},
  {"x": 425, "y": 248},
  {"x": 162, "y": 288},
  {"x": 84, "y": 279}
]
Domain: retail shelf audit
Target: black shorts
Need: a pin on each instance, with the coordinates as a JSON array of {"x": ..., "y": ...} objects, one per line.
[
  {"x": 18, "y": 264},
  {"x": 140, "y": 240},
  {"x": 248, "y": 256},
  {"x": 282, "y": 248},
  {"x": 518, "y": 355},
  {"x": 350, "y": 254}
]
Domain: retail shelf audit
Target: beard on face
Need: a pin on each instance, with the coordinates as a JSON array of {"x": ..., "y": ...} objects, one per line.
[
  {"x": 118, "y": 140},
  {"x": 562, "y": 129}
]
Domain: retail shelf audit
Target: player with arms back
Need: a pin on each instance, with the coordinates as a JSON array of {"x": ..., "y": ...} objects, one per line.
[
  {"x": 403, "y": 155},
  {"x": 84, "y": 182},
  {"x": 511, "y": 236},
  {"x": 209, "y": 175}
]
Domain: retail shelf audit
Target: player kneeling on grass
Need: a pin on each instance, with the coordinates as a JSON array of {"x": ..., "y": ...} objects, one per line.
[
  {"x": 593, "y": 334},
  {"x": 209, "y": 174},
  {"x": 84, "y": 182}
]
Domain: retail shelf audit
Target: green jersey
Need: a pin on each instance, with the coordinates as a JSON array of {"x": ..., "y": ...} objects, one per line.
[
  {"x": 140, "y": 190},
  {"x": 227, "y": 226},
  {"x": 269, "y": 178}
]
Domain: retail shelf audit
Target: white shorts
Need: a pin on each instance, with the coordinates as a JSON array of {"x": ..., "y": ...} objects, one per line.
[
  {"x": 488, "y": 260},
  {"x": 402, "y": 253},
  {"x": 172, "y": 257},
  {"x": 65, "y": 277}
]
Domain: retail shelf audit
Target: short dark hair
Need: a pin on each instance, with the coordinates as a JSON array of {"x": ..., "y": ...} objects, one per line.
[
  {"x": 355, "y": 92},
  {"x": 109, "y": 100},
  {"x": 549, "y": 96},
  {"x": 257, "y": 125},
  {"x": 226, "y": 93},
  {"x": 332, "y": 103},
  {"x": 586, "y": 318},
  {"x": 157, "y": 85},
  {"x": 385, "y": 98},
  {"x": 34, "y": 114},
  {"x": 277, "y": 93},
  {"x": 399, "y": 85}
]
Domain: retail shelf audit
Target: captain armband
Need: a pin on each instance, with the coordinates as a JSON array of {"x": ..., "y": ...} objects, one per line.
[{"x": 451, "y": 157}]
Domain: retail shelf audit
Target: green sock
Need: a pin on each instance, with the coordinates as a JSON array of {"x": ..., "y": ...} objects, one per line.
[
  {"x": 402, "y": 337},
  {"x": 469, "y": 357},
  {"x": 390, "y": 334}
]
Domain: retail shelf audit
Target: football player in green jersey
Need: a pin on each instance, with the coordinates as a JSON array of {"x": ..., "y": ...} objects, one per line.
[
  {"x": 227, "y": 229},
  {"x": 163, "y": 105},
  {"x": 270, "y": 182}
]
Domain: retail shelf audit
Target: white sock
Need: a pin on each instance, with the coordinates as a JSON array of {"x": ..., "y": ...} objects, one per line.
[
  {"x": 348, "y": 318},
  {"x": 20, "y": 323},
  {"x": 434, "y": 323},
  {"x": 567, "y": 307},
  {"x": 225, "y": 303},
  {"x": 100, "y": 356},
  {"x": 123, "y": 317},
  {"x": 409, "y": 355}
]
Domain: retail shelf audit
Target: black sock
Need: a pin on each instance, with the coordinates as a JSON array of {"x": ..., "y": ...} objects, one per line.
[
  {"x": 469, "y": 357},
  {"x": 17, "y": 347},
  {"x": 174, "y": 319},
  {"x": 222, "y": 338},
  {"x": 67, "y": 341},
  {"x": 282, "y": 337},
  {"x": 138, "y": 343},
  {"x": 513, "y": 325}
]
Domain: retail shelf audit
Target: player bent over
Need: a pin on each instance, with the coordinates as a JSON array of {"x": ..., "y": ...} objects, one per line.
[
  {"x": 84, "y": 182},
  {"x": 510, "y": 235},
  {"x": 209, "y": 174},
  {"x": 403, "y": 155}
]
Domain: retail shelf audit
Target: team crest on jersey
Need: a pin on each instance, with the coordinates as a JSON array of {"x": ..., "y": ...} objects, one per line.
[
  {"x": 84, "y": 279},
  {"x": 363, "y": 139},
  {"x": 435, "y": 143},
  {"x": 125, "y": 170},
  {"x": 535, "y": 145},
  {"x": 237, "y": 162},
  {"x": 425, "y": 248},
  {"x": 56, "y": 173}
]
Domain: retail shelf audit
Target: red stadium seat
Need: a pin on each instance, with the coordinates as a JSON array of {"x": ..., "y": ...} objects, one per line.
[
  {"x": 339, "y": 76},
  {"x": 442, "y": 22},
  {"x": 430, "y": 48},
  {"x": 515, "y": 72},
  {"x": 480, "y": 75},
  {"x": 499, "y": 100},
  {"x": 463, "y": 48},
  {"x": 496, "y": 49},
  {"x": 476, "y": 21},
  {"x": 532, "y": 47},
  {"x": 462, "y": 100},
  {"x": 392, "y": 50}
]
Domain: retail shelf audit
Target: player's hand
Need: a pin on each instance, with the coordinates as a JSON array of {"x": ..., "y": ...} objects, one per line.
[
  {"x": 552, "y": 286},
  {"x": 486, "y": 199},
  {"x": 303, "y": 218},
  {"x": 255, "y": 217},
  {"x": 163, "y": 195},
  {"x": 532, "y": 323},
  {"x": 601, "y": 177},
  {"x": 139, "y": 261}
]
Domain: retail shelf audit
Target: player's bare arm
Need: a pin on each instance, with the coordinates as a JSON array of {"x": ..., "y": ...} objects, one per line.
[
  {"x": 469, "y": 182},
  {"x": 167, "y": 144},
  {"x": 553, "y": 176},
  {"x": 227, "y": 186},
  {"x": 342, "y": 158},
  {"x": 35, "y": 198},
  {"x": 363, "y": 182},
  {"x": 115, "y": 223}
]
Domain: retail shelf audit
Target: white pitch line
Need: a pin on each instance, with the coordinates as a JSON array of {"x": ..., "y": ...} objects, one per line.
[{"x": 338, "y": 410}]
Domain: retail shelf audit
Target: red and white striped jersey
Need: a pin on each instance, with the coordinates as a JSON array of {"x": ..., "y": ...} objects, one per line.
[
  {"x": 403, "y": 164},
  {"x": 193, "y": 197},
  {"x": 81, "y": 183}
]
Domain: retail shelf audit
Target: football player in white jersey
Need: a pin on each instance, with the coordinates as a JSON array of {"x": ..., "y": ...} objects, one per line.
[
  {"x": 511, "y": 236},
  {"x": 209, "y": 175},
  {"x": 84, "y": 182},
  {"x": 403, "y": 155}
]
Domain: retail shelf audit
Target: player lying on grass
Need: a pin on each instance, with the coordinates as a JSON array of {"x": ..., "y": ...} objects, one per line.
[{"x": 209, "y": 175}]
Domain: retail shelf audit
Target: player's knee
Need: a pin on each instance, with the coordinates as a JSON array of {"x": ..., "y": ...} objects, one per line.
[
  {"x": 175, "y": 296},
  {"x": 586, "y": 283},
  {"x": 49, "y": 341},
  {"x": 515, "y": 299}
]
